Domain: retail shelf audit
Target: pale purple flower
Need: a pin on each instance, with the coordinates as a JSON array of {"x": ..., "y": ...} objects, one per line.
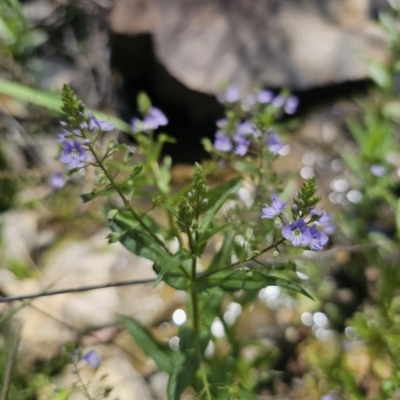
[
  {"x": 319, "y": 215},
  {"x": 319, "y": 239},
  {"x": 274, "y": 144},
  {"x": 265, "y": 96},
  {"x": 328, "y": 396},
  {"x": 152, "y": 120},
  {"x": 329, "y": 228},
  {"x": 278, "y": 101},
  {"x": 73, "y": 154},
  {"x": 221, "y": 123},
  {"x": 62, "y": 136},
  {"x": 104, "y": 126},
  {"x": 92, "y": 358},
  {"x": 222, "y": 142},
  {"x": 275, "y": 209},
  {"x": 291, "y": 104},
  {"x": 57, "y": 180},
  {"x": 246, "y": 128},
  {"x": 231, "y": 95},
  {"x": 325, "y": 219},
  {"x": 242, "y": 146},
  {"x": 378, "y": 170},
  {"x": 297, "y": 233}
]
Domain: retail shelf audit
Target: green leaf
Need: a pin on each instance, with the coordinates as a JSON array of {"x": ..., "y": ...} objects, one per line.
[
  {"x": 171, "y": 263},
  {"x": 51, "y": 101},
  {"x": 232, "y": 280},
  {"x": 186, "y": 362},
  {"x": 392, "y": 109},
  {"x": 210, "y": 214},
  {"x": 170, "y": 209},
  {"x": 209, "y": 233},
  {"x": 184, "y": 368},
  {"x": 379, "y": 74},
  {"x": 158, "y": 351},
  {"x": 223, "y": 256},
  {"x": 135, "y": 238}
]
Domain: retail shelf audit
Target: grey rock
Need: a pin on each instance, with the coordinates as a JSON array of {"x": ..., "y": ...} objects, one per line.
[{"x": 300, "y": 44}]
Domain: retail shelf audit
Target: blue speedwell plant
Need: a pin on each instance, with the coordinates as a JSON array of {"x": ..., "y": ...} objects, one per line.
[{"x": 246, "y": 215}]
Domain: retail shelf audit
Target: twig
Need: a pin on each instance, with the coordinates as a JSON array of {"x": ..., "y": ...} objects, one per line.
[
  {"x": 74, "y": 290},
  {"x": 10, "y": 365}
]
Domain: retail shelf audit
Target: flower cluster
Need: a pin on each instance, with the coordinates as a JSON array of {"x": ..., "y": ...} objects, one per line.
[
  {"x": 289, "y": 104},
  {"x": 303, "y": 230},
  {"x": 74, "y": 140},
  {"x": 241, "y": 139},
  {"x": 259, "y": 109}
]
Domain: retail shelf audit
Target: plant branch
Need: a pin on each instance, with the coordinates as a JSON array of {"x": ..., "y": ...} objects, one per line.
[
  {"x": 253, "y": 257},
  {"x": 75, "y": 290},
  {"x": 127, "y": 204}
]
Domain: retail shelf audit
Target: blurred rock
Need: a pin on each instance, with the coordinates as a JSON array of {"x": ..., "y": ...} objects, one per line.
[
  {"x": 52, "y": 321},
  {"x": 300, "y": 44},
  {"x": 20, "y": 229},
  {"x": 158, "y": 384}
]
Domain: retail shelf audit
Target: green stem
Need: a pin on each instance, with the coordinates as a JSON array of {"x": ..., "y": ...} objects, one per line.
[
  {"x": 127, "y": 204},
  {"x": 196, "y": 315},
  {"x": 235, "y": 264},
  {"x": 196, "y": 323},
  {"x": 83, "y": 386}
]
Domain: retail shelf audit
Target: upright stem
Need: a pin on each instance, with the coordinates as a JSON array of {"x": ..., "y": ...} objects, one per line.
[
  {"x": 127, "y": 204},
  {"x": 196, "y": 326}
]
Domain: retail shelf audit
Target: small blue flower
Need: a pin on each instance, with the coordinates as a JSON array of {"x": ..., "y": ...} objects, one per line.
[
  {"x": 104, "y": 126},
  {"x": 92, "y": 358},
  {"x": 265, "y": 96},
  {"x": 274, "y": 144},
  {"x": 242, "y": 146},
  {"x": 231, "y": 95},
  {"x": 73, "y": 154},
  {"x": 222, "y": 142},
  {"x": 378, "y": 170},
  {"x": 221, "y": 123},
  {"x": 297, "y": 233},
  {"x": 324, "y": 219},
  {"x": 57, "y": 180},
  {"x": 152, "y": 120},
  {"x": 275, "y": 209},
  {"x": 319, "y": 239},
  {"x": 278, "y": 101},
  {"x": 319, "y": 215},
  {"x": 291, "y": 104},
  {"x": 246, "y": 128}
]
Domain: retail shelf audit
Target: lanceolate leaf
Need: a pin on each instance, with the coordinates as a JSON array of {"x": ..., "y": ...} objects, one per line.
[
  {"x": 223, "y": 257},
  {"x": 50, "y": 100},
  {"x": 233, "y": 280},
  {"x": 186, "y": 363},
  {"x": 210, "y": 214},
  {"x": 172, "y": 263},
  {"x": 160, "y": 352},
  {"x": 135, "y": 238}
]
